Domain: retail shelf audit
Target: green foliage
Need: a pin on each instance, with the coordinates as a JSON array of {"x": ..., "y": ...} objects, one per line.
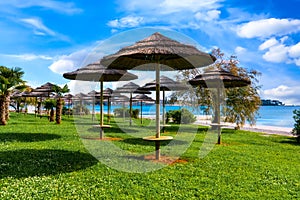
[
  {"x": 296, "y": 129},
  {"x": 183, "y": 116},
  {"x": 135, "y": 113},
  {"x": 10, "y": 78},
  {"x": 80, "y": 109},
  {"x": 119, "y": 112},
  {"x": 49, "y": 104},
  {"x": 67, "y": 111}
]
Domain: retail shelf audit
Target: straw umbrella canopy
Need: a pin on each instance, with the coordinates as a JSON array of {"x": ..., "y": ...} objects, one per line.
[
  {"x": 166, "y": 84},
  {"x": 141, "y": 98},
  {"x": 37, "y": 94},
  {"x": 162, "y": 51},
  {"x": 131, "y": 88},
  {"x": 47, "y": 87},
  {"x": 218, "y": 78},
  {"x": 97, "y": 72}
]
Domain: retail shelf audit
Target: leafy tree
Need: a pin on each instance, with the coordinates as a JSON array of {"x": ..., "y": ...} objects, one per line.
[
  {"x": 296, "y": 129},
  {"x": 10, "y": 79},
  {"x": 241, "y": 104},
  {"x": 49, "y": 104},
  {"x": 59, "y": 102}
]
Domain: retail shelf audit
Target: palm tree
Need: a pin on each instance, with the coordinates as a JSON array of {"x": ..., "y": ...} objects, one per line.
[
  {"x": 49, "y": 104},
  {"x": 10, "y": 78},
  {"x": 59, "y": 102}
]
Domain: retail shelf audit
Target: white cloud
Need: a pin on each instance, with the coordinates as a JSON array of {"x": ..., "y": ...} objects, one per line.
[
  {"x": 58, "y": 6},
  {"x": 171, "y": 6},
  {"x": 169, "y": 13},
  {"x": 128, "y": 22},
  {"x": 39, "y": 27},
  {"x": 167, "y": 6},
  {"x": 268, "y": 44},
  {"x": 240, "y": 50},
  {"x": 288, "y": 94},
  {"x": 277, "y": 51},
  {"x": 28, "y": 57},
  {"x": 277, "y": 54},
  {"x": 294, "y": 51},
  {"x": 265, "y": 28},
  {"x": 67, "y": 63},
  {"x": 208, "y": 16}
]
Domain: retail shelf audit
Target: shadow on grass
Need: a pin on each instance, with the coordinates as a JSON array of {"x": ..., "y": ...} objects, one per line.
[
  {"x": 27, "y": 137},
  {"x": 140, "y": 141},
  {"x": 30, "y": 162},
  {"x": 112, "y": 130},
  {"x": 291, "y": 140}
]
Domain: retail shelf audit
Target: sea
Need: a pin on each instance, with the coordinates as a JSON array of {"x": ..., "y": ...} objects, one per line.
[{"x": 279, "y": 116}]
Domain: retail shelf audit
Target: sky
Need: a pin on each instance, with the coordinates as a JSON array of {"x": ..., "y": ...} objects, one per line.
[{"x": 50, "y": 37}]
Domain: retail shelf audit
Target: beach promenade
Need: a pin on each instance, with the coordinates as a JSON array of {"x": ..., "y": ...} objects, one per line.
[{"x": 206, "y": 121}]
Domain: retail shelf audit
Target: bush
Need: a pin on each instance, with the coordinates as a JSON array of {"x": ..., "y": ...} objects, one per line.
[
  {"x": 183, "y": 116},
  {"x": 296, "y": 129},
  {"x": 65, "y": 111},
  {"x": 79, "y": 110},
  {"x": 118, "y": 112}
]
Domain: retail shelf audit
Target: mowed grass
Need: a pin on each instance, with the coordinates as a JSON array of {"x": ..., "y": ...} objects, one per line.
[{"x": 42, "y": 160}]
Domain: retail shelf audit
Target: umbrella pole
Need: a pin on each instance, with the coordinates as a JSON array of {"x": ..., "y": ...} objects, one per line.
[
  {"x": 35, "y": 109},
  {"x": 157, "y": 143},
  {"x": 218, "y": 115},
  {"x": 164, "y": 106},
  {"x": 130, "y": 110},
  {"x": 101, "y": 110},
  {"x": 93, "y": 112},
  {"x": 108, "y": 110},
  {"x": 141, "y": 112},
  {"x": 157, "y": 100}
]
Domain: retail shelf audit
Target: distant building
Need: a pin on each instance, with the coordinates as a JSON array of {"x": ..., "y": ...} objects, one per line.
[{"x": 269, "y": 102}]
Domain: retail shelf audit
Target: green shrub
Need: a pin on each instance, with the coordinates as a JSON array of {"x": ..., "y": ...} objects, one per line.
[
  {"x": 182, "y": 116},
  {"x": 79, "y": 110},
  {"x": 66, "y": 111},
  {"x": 296, "y": 129},
  {"x": 135, "y": 113},
  {"x": 118, "y": 112}
]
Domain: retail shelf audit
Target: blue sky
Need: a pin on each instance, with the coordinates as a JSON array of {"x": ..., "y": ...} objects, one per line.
[{"x": 47, "y": 38}]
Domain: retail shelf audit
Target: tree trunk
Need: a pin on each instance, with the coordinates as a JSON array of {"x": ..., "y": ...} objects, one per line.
[
  {"x": 51, "y": 118},
  {"x": 2, "y": 110},
  {"x": 7, "y": 102},
  {"x": 58, "y": 110}
]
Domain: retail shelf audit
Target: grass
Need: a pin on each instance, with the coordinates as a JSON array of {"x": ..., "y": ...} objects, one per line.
[{"x": 42, "y": 160}]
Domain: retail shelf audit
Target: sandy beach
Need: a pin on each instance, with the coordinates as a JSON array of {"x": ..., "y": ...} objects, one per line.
[{"x": 206, "y": 121}]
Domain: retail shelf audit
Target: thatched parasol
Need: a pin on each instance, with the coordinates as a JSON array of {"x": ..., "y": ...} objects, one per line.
[
  {"x": 47, "y": 87},
  {"x": 219, "y": 78},
  {"x": 37, "y": 94},
  {"x": 163, "y": 51},
  {"x": 141, "y": 98},
  {"x": 131, "y": 88},
  {"x": 97, "y": 72}
]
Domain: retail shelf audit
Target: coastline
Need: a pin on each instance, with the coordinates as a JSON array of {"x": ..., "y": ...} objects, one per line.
[
  {"x": 270, "y": 130},
  {"x": 206, "y": 121}
]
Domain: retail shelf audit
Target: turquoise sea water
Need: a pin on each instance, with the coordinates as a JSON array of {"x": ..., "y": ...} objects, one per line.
[{"x": 281, "y": 116}]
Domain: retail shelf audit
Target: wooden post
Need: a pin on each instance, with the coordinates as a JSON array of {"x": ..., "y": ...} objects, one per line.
[{"x": 157, "y": 100}]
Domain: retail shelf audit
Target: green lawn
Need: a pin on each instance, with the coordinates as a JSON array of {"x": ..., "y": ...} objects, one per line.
[{"x": 42, "y": 160}]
